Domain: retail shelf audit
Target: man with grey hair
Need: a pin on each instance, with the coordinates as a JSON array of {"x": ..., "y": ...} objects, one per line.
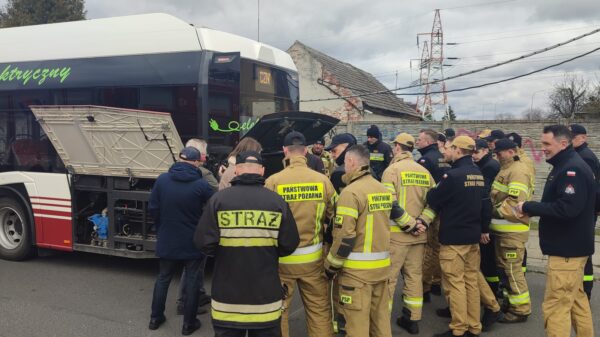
[{"x": 202, "y": 146}]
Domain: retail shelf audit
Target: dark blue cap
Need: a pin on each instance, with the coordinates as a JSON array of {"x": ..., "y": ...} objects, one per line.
[
  {"x": 449, "y": 133},
  {"x": 495, "y": 135},
  {"x": 252, "y": 157},
  {"x": 504, "y": 144},
  {"x": 516, "y": 138},
  {"x": 189, "y": 153},
  {"x": 577, "y": 129},
  {"x": 480, "y": 144},
  {"x": 342, "y": 138}
]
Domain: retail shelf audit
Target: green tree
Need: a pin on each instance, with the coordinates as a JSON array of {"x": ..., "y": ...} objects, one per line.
[
  {"x": 34, "y": 12},
  {"x": 451, "y": 115}
]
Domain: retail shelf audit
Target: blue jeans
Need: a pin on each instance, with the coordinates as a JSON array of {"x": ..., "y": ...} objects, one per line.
[
  {"x": 161, "y": 287},
  {"x": 201, "y": 290}
]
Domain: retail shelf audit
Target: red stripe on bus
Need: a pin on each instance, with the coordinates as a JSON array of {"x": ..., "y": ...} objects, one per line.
[
  {"x": 47, "y": 198},
  {"x": 50, "y": 212},
  {"x": 45, "y": 204}
]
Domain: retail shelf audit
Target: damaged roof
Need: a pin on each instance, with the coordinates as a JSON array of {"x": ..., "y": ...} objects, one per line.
[{"x": 360, "y": 81}]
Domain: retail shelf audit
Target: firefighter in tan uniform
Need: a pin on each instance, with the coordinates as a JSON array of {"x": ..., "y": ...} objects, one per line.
[
  {"x": 318, "y": 150},
  {"x": 511, "y": 186},
  {"x": 409, "y": 183},
  {"x": 359, "y": 258},
  {"x": 311, "y": 198}
]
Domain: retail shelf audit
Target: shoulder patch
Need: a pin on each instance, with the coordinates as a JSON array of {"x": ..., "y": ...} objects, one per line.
[
  {"x": 571, "y": 173},
  {"x": 445, "y": 176},
  {"x": 570, "y": 189},
  {"x": 422, "y": 161}
]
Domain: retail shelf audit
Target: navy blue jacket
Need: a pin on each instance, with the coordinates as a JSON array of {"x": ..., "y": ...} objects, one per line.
[
  {"x": 176, "y": 203},
  {"x": 590, "y": 158},
  {"x": 464, "y": 205},
  {"x": 433, "y": 160},
  {"x": 489, "y": 168},
  {"x": 380, "y": 158},
  {"x": 567, "y": 208}
]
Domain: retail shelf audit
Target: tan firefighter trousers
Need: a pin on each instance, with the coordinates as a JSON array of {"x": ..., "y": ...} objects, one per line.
[{"x": 408, "y": 258}]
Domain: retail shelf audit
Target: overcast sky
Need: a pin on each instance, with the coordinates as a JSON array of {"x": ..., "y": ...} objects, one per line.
[{"x": 380, "y": 37}]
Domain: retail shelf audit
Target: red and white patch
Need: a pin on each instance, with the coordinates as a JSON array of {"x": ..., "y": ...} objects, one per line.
[
  {"x": 422, "y": 161},
  {"x": 571, "y": 173},
  {"x": 445, "y": 176},
  {"x": 570, "y": 189}
]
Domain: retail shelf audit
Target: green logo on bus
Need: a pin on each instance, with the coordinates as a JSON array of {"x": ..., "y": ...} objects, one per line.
[
  {"x": 38, "y": 75},
  {"x": 233, "y": 126}
]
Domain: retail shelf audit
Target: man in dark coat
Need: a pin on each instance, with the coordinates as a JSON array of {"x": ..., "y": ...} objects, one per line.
[
  {"x": 176, "y": 203},
  {"x": 380, "y": 152}
]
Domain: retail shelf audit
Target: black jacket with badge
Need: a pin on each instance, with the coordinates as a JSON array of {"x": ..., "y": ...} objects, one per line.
[
  {"x": 463, "y": 204},
  {"x": 433, "y": 160},
  {"x": 489, "y": 168},
  {"x": 246, "y": 228},
  {"x": 380, "y": 158},
  {"x": 590, "y": 158},
  {"x": 567, "y": 208}
]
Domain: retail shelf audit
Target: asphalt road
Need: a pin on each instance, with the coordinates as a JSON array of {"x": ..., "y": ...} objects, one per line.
[{"x": 90, "y": 295}]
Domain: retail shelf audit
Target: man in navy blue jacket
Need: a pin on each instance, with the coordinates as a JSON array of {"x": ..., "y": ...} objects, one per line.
[{"x": 176, "y": 203}]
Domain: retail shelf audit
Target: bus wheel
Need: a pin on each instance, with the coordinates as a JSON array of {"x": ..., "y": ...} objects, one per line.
[{"x": 15, "y": 232}]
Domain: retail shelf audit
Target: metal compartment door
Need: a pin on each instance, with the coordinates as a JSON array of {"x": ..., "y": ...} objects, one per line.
[{"x": 107, "y": 141}]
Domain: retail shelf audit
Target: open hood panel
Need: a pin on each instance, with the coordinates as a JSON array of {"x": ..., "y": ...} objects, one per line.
[
  {"x": 270, "y": 130},
  {"x": 108, "y": 141}
]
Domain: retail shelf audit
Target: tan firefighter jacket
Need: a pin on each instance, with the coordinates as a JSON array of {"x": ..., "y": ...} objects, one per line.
[{"x": 361, "y": 233}]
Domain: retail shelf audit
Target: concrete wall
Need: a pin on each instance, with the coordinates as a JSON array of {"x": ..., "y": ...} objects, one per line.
[{"x": 530, "y": 131}]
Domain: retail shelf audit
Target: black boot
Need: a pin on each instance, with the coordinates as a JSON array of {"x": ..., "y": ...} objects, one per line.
[
  {"x": 445, "y": 312},
  {"x": 489, "y": 318},
  {"x": 427, "y": 297},
  {"x": 406, "y": 323},
  {"x": 436, "y": 289},
  {"x": 189, "y": 329}
]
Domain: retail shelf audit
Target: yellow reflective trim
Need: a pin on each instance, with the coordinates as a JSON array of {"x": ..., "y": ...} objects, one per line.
[
  {"x": 334, "y": 261},
  {"x": 368, "y": 234},
  {"x": 524, "y": 269},
  {"x": 301, "y": 192},
  {"x": 428, "y": 212},
  {"x": 515, "y": 228},
  {"x": 403, "y": 200},
  {"x": 334, "y": 198},
  {"x": 514, "y": 188},
  {"x": 500, "y": 187},
  {"x": 320, "y": 209},
  {"x": 376, "y": 157},
  {"x": 379, "y": 202},
  {"x": 519, "y": 299},
  {"x": 359, "y": 264},
  {"x": 390, "y": 187},
  {"x": 247, "y": 242},
  {"x": 587, "y": 278},
  {"x": 299, "y": 259},
  {"x": 492, "y": 279},
  {"x": 341, "y": 210},
  {"x": 414, "y": 179},
  {"x": 249, "y": 218},
  {"x": 413, "y": 302},
  {"x": 403, "y": 220},
  {"x": 245, "y": 318}
]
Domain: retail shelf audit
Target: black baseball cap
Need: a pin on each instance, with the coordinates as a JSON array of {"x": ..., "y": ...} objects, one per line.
[
  {"x": 449, "y": 133},
  {"x": 495, "y": 135},
  {"x": 441, "y": 137},
  {"x": 504, "y": 144},
  {"x": 294, "y": 138},
  {"x": 342, "y": 138},
  {"x": 577, "y": 129},
  {"x": 252, "y": 157},
  {"x": 320, "y": 141},
  {"x": 480, "y": 144},
  {"x": 515, "y": 137}
]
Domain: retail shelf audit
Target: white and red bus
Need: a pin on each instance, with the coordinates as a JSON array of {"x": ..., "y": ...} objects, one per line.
[{"x": 213, "y": 85}]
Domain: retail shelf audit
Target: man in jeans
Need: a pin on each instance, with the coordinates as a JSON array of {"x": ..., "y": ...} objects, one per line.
[{"x": 176, "y": 203}]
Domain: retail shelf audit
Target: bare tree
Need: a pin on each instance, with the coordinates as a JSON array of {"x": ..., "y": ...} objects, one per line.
[
  {"x": 592, "y": 104},
  {"x": 503, "y": 116},
  {"x": 534, "y": 114},
  {"x": 568, "y": 96}
]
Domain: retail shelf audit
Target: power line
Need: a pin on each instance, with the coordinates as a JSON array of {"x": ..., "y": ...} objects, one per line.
[
  {"x": 516, "y": 36},
  {"x": 514, "y": 77},
  {"x": 465, "y": 73}
]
